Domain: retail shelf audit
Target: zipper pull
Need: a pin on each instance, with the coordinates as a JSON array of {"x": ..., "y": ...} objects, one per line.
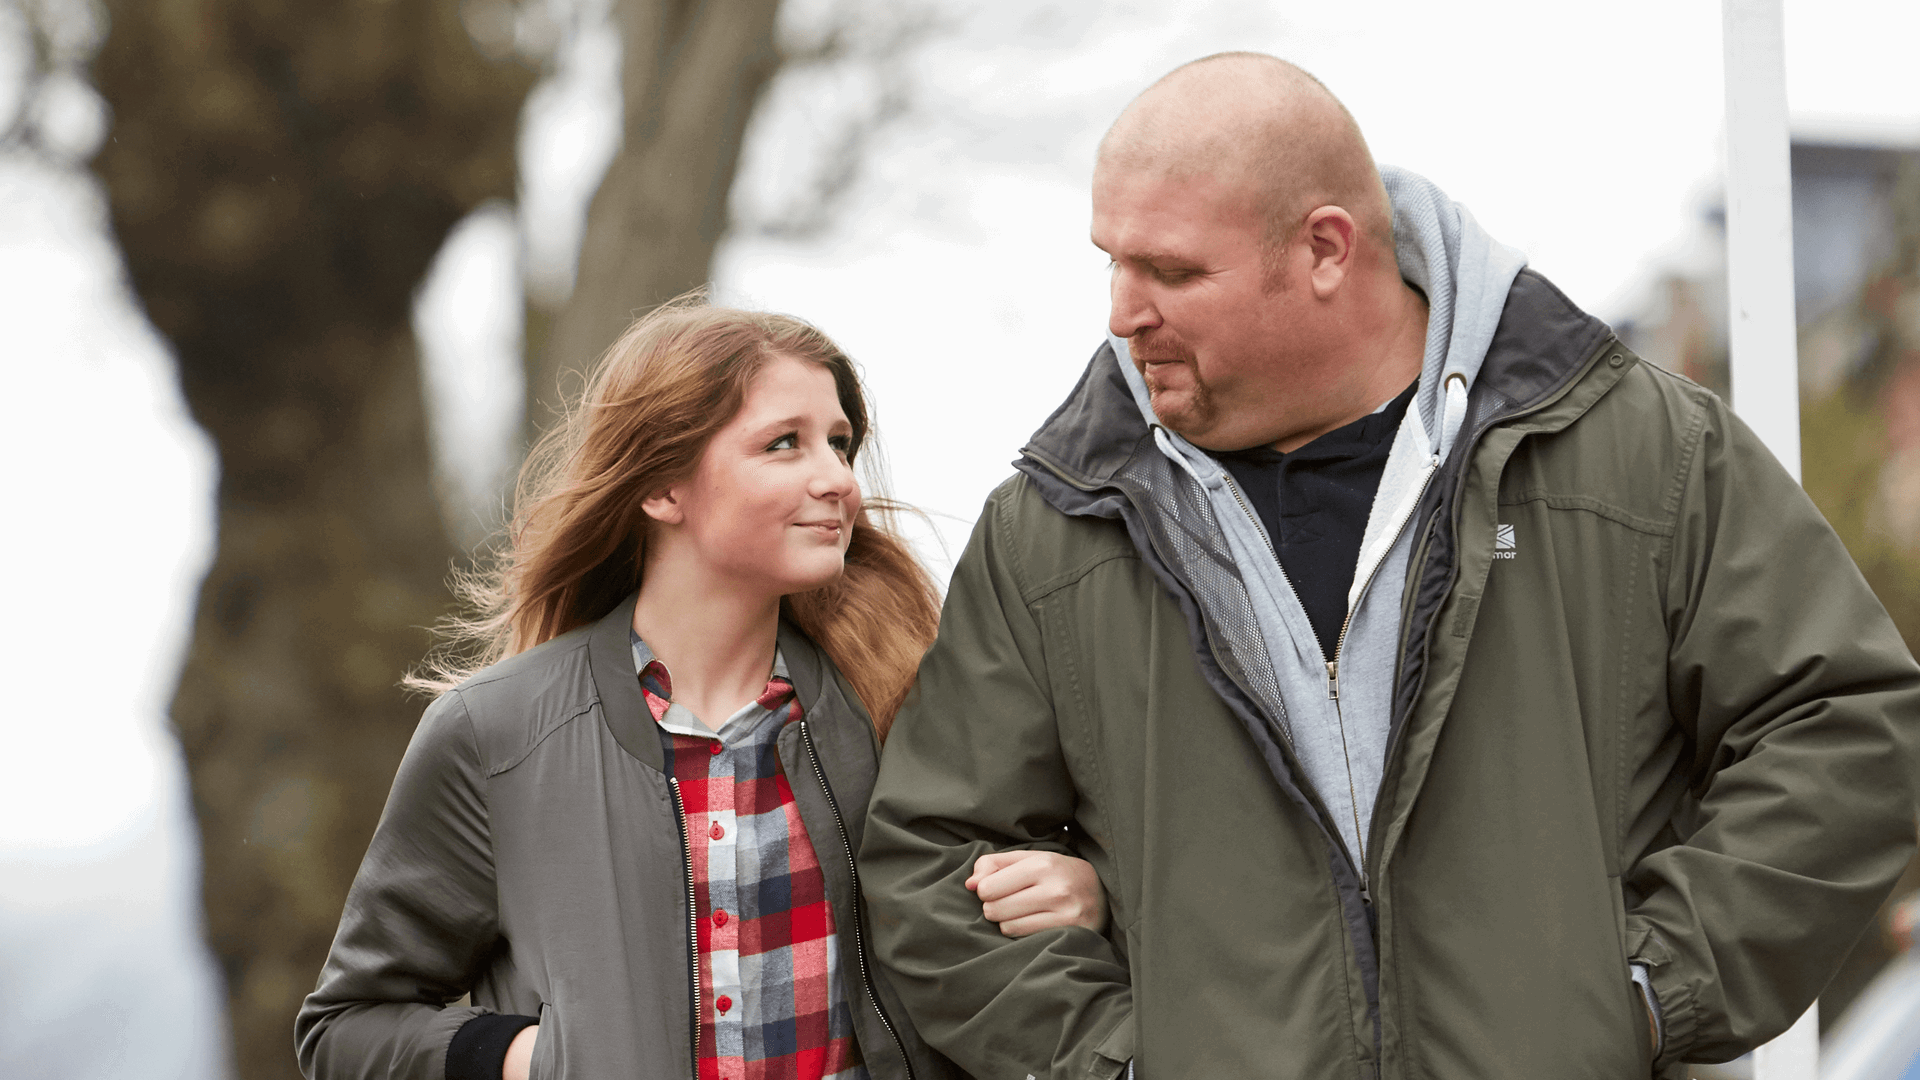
[
  {"x": 1366, "y": 892},
  {"x": 1333, "y": 680}
]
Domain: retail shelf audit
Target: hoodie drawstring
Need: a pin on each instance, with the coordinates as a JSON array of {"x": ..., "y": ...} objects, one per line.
[{"x": 1452, "y": 414}]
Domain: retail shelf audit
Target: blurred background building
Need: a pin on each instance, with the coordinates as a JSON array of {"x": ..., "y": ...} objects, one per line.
[{"x": 285, "y": 291}]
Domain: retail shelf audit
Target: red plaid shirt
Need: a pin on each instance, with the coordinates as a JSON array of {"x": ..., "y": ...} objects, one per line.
[{"x": 773, "y": 1002}]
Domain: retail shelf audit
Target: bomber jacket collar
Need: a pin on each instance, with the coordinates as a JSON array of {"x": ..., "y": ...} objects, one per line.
[{"x": 610, "y": 657}]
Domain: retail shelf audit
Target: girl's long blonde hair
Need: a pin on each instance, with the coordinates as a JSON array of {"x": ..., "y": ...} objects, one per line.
[{"x": 574, "y": 549}]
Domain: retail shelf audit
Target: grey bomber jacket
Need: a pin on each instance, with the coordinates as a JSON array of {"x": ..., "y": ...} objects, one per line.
[{"x": 532, "y": 853}]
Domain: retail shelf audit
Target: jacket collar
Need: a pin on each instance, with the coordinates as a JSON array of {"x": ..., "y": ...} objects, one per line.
[
  {"x": 1541, "y": 344},
  {"x": 1096, "y": 431},
  {"x": 610, "y": 658}
]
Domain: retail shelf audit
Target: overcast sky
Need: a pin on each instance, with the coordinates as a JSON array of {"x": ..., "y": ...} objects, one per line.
[{"x": 960, "y": 276}]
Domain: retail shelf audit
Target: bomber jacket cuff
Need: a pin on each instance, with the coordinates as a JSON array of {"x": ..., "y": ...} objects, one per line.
[{"x": 479, "y": 1048}]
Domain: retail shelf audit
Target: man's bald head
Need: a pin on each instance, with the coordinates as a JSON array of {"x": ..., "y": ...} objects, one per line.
[{"x": 1264, "y": 119}]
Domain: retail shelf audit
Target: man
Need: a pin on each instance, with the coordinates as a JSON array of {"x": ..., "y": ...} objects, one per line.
[{"x": 1439, "y": 690}]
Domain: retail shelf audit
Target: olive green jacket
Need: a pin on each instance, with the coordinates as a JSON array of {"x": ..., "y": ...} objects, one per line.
[{"x": 1646, "y": 711}]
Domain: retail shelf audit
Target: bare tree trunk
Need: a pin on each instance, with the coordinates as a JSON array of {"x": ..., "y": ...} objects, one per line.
[
  {"x": 693, "y": 70},
  {"x": 279, "y": 177}
]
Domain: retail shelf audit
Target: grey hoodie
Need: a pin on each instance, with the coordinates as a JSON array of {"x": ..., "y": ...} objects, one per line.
[{"x": 1337, "y": 714}]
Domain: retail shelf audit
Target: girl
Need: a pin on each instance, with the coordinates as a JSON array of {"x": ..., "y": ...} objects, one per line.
[{"x": 630, "y": 837}]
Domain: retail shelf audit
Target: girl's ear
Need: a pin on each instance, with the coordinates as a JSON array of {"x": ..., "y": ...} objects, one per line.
[{"x": 664, "y": 507}]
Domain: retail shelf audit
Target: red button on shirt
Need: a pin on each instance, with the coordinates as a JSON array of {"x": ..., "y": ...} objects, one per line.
[
  {"x": 719, "y": 918},
  {"x": 723, "y": 1003},
  {"x": 714, "y": 747},
  {"x": 718, "y": 831}
]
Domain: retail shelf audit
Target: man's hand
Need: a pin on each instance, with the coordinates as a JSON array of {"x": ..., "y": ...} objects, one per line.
[
  {"x": 1029, "y": 891},
  {"x": 520, "y": 1054}
]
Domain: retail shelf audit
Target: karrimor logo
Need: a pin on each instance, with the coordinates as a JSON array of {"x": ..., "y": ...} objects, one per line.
[{"x": 1503, "y": 542}]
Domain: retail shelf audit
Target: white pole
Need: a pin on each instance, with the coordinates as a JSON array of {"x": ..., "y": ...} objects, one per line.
[
  {"x": 1761, "y": 333},
  {"x": 1762, "y": 336}
]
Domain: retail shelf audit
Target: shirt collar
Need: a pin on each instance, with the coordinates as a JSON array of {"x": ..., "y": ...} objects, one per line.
[{"x": 657, "y": 682}]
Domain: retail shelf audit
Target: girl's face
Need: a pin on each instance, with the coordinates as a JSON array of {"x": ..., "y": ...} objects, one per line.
[{"x": 771, "y": 504}]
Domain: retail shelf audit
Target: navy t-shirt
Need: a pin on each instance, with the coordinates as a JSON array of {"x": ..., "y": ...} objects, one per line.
[{"x": 1314, "y": 503}]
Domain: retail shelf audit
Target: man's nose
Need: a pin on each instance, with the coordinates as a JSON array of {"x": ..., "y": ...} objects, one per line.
[{"x": 1132, "y": 307}]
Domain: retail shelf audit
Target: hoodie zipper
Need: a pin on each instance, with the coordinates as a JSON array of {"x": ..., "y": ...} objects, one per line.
[
  {"x": 1358, "y": 858},
  {"x": 693, "y": 925},
  {"x": 1340, "y": 645},
  {"x": 859, "y": 937}
]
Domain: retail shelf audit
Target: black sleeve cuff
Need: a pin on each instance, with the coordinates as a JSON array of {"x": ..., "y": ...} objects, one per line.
[{"x": 479, "y": 1048}]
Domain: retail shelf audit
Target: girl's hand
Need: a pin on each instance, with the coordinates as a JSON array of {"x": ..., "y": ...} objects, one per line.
[
  {"x": 1028, "y": 891},
  {"x": 520, "y": 1054}
]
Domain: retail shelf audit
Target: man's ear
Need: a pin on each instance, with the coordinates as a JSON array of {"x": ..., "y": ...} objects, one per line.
[
  {"x": 664, "y": 507},
  {"x": 1330, "y": 233}
]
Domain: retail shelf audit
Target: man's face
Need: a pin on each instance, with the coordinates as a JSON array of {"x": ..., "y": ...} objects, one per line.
[{"x": 1216, "y": 337}]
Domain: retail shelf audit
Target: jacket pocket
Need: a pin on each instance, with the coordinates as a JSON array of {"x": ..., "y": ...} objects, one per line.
[
  {"x": 547, "y": 1063},
  {"x": 1114, "y": 1055}
]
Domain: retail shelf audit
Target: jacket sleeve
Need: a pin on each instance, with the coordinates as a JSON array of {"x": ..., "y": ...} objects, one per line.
[
  {"x": 420, "y": 922},
  {"x": 1797, "y": 702},
  {"x": 973, "y": 765}
]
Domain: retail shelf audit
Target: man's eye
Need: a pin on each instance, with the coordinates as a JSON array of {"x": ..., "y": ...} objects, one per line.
[
  {"x": 789, "y": 441},
  {"x": 1172, "y": 277}
]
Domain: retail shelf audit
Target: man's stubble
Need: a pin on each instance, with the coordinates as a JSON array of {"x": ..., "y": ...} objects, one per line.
[{"x": 1188, "y": 409}]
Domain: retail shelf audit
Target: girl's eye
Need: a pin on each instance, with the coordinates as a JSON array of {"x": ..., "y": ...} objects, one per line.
[
  {"x": 841, "y": 443},
  {"x": 789, "y": 441}
]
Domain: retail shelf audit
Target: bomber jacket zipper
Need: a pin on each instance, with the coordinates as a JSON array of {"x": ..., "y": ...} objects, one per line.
[
  {"x": 859, "y": 933},
  {"x": 693, "y": 927}
]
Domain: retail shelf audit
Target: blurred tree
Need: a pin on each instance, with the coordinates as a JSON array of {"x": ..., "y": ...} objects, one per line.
[
  {"x": 693, "y": 77},
  {"x": 279, "y": 178},
  {"x": 691, "y": 74}
]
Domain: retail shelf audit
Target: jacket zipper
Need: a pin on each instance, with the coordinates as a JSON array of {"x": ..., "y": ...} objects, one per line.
[
  {"x": 859, "y": 935},
  {"x": 693, "y": 927},
  {"x": 1464, "y": 445}
]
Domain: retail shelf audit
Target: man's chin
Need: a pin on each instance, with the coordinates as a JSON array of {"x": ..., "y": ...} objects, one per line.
[{"x": 1182, "y": 415}]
